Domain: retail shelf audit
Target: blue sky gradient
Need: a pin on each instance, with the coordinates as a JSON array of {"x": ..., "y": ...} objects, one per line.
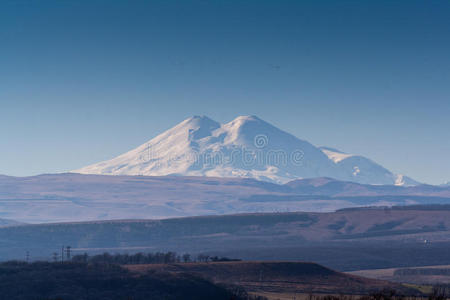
[{"x": 84, "y": 81}]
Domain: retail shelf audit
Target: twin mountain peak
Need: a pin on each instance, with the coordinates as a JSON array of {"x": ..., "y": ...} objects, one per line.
[{"x": 245, "y": 147}]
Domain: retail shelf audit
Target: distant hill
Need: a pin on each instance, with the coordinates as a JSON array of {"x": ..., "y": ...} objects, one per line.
[
  {"x": 71, "y": 281},
  {"x": 346, "y": 239},
  {"x": 282, "y": 277},
  {"x": 7, "y": 222},
  {"x": 76, "y": 197}
]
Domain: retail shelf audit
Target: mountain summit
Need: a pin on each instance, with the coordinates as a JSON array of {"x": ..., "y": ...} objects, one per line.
[{"x": 245, "y": 147}]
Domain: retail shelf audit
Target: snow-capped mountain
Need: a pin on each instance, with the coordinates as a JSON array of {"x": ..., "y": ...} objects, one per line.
[
  {"x": 363, "y": 170},
  {"x": 245, "y": 147}
]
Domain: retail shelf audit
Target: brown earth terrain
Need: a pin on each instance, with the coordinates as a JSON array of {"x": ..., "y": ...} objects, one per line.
[
  {"x": 417, "y": 275},
  {"x": 278, "y": 277}
]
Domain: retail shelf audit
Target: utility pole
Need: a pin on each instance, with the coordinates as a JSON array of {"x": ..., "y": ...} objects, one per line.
[
  {"x": 68, "y": 253},
  {"x": 62, "y": 254},
  {"x": 28, "y": 256}
]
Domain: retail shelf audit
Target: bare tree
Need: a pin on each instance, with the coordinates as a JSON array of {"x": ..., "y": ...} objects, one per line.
[{"x": 186, "y": 257}]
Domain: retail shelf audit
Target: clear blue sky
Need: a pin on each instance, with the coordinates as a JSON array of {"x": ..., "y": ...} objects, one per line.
[{"x": 84, "y": 81}]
